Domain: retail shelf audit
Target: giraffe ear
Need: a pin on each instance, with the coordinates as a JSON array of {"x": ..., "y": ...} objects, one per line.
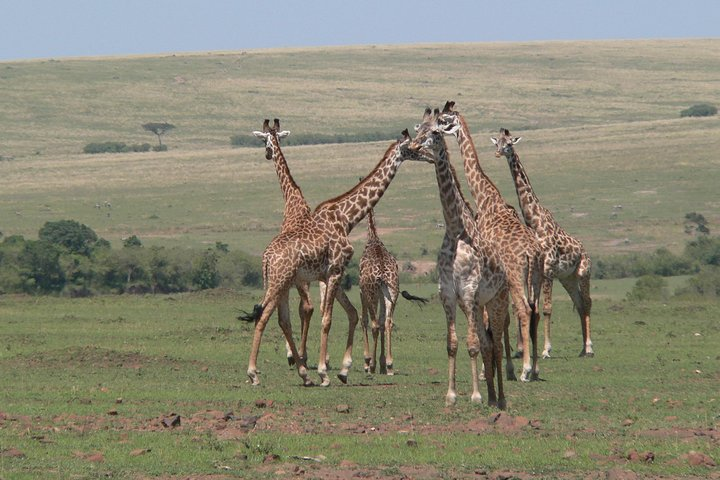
[
  {"x": 259, "y": 134},
  {"x": 494, "y": 140},
  {"x": 283, "y": 134},
  {"x": 516, "y": 140}
]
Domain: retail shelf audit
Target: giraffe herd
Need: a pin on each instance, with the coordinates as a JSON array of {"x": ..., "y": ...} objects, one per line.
[{"x": 489, "y": 260}]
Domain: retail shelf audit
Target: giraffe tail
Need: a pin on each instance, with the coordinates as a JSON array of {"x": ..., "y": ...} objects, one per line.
[
  {"x": 253, "y": 316},
  {"x": 419, "y": 301}
]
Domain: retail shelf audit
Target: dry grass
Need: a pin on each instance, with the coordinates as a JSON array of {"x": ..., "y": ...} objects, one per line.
[{"x": 600, "y": 122}]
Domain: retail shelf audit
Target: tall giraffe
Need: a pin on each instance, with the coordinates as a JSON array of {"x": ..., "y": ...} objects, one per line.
[
  {"x": 565, "y": 259},
  {"x": 500, "y": 225},
  {"x": 379, "y": 284},
  {"x": 296, "y": 212},
  {"x": 320, "y": 250},
  {"x": 471, "y": 273}
]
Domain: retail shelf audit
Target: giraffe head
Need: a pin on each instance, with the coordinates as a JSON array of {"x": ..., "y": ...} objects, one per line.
[
  {"x": 505, "y": 144},
  {"x": 429, "y": 138},
  {"x": 271, "y": 136}
]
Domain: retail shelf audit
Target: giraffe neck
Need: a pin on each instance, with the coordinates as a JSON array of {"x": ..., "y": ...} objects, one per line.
[
  {"x": 532, "y": 211},
  {"x": 456, "y": 211},
  {"x": 295, "y": 204},
  {"x": 350, "y": 208},
  {"x": 486, "y": 194}
]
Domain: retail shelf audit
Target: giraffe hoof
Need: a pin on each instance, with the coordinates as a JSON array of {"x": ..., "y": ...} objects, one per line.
[
  {"x": 308, "y": 383},
  {"x": 450, "y": 399},
  {"x": 343, "y": 378},
  {"x": 546, "y": 355},
  {"x": 586, "y": 354},
  {"x": 291, "y": 361},
  {"x": 502, "y": 404},
  {"x": 511, "y": 376}
]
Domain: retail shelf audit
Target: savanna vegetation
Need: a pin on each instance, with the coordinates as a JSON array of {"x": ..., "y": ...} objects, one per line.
[{"x": 154, "y": 385}]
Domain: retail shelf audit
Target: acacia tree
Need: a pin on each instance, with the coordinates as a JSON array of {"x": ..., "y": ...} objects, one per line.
[{"x": 159, "y": 129}]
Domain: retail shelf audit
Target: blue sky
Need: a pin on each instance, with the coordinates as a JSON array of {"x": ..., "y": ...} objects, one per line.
[{"x": 66, "y": 28}]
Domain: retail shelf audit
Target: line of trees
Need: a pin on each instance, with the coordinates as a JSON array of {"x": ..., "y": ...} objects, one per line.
[{"x": 69, "y": 258}]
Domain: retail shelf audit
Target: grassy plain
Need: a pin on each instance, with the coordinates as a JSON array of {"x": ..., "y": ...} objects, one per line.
[
  {"x": 87, "y": 384},
  {"x": 600, "y": 122},
  {"x": 601, "y": 128}
]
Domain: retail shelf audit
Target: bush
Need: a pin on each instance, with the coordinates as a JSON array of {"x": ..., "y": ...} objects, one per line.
[
  {"x": 206, "y": 274},
  {"x": 648, "y": 287},
  {"x": 116, "y": 147},
  {"x": 662, "y": 262},
  {"x": 39, "y": 268},
  {"x": 699, "y": 110},
  {"x": 105, "y": 147},
  {"x": 69, "y": 234},
  {"x": 704, "y": 250},
  {"x": 705, "y": 284}
]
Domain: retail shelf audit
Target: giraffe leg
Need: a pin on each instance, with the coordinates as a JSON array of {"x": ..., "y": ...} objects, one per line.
[
  {"x": 475, "y": 338},
  {"x": 579, "y": 291},
  {"x": 486, "y": 348},
  {"x": 449, "y": 306},
  {"x": 523, "y": 312},
  {"x": 509, "y": 367},
  {"x": 268, "y": 309},
  {"x": 364, "y": 322},
  {"x": 381, "y": 325},
  {"x": 547, "y": 288},
  {"x": 391, "y": 297},
  {"x": 371, "y": 308},
  {"x": 498, "y": 321},
  {"x": 305, "y": 311},
  {"x": 284, "y": 321},
  {"x": 519, "y": 345},
  {"x": 534, "y": 323},
  {"x": 352, "y": 323},
  {"x": 481, "y": 375}
]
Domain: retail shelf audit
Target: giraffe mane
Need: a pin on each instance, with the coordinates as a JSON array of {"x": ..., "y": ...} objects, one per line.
[{"x": 354, "y": 189}]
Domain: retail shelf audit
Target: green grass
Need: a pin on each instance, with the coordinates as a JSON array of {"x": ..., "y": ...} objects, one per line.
[{"x": 65, "y": 363}]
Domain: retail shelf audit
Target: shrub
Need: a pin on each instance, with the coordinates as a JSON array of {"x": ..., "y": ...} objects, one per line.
[
  {"x": 699, "y": 110},
  {"x": 40, "y": 268},
  {"x": 116, "y": 147},
  {"x": 69, "y": 234},
  {"x": 704, "y": 250},
  {"x": 105, "y": 147},
  {"x": 649, "y": 287},
  {"x": 206, "y": 274},
  {"x": 706, "y": 283}
]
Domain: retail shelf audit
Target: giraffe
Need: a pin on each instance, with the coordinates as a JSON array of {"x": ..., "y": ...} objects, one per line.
[
  {"x": 500, "y": 225},
  {"x": 320, "y": 250},
  {"x": 379, "y": 284},
  {"x": 565, "y": 259},
  {"x": 296, "y": 212},
  {"x": 471, "y": 273}
]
